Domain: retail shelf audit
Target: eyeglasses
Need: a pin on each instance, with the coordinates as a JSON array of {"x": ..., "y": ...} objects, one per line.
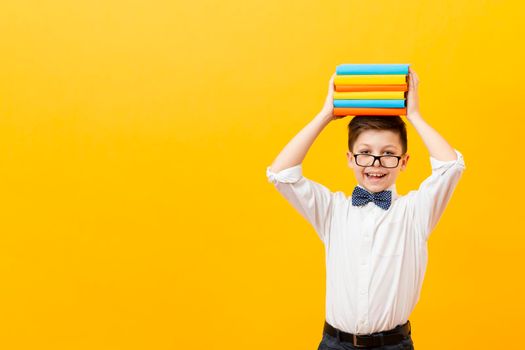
[{"x": 364, "y": 159}]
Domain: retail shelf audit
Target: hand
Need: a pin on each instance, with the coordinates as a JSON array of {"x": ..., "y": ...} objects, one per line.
[
  {"x": 328, "y": 108},
  {"x": 412, "y": 97}
]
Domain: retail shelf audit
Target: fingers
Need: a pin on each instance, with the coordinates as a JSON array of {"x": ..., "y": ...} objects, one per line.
[
  {"x": 413, "y": 76},
  {"x": 331, "y": 83},
  {"x": 332, "y": 79},
  {"x": 413, "y": 79}
]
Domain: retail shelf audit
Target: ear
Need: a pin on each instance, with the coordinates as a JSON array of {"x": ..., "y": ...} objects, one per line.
[
  {"x": 404, "y": 162},
  {"x": 350, "y": 158}
]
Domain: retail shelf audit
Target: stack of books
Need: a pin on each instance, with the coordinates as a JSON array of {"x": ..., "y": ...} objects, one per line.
[{"x": 370, "y": 89}]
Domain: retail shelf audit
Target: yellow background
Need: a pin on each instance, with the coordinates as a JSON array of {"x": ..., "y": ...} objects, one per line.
[{"x": 134, "y": 138}]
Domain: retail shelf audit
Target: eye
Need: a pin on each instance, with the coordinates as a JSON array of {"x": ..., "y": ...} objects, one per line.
[
  {"x": 389, "y": 152},
  {"x": 364, "y": 152}
]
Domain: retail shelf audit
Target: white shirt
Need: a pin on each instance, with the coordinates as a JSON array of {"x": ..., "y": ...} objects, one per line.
[{"x": 375, "y": 259}]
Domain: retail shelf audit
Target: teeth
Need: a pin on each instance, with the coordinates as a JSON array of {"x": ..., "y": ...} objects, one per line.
[{"x": 376, "y": 175}]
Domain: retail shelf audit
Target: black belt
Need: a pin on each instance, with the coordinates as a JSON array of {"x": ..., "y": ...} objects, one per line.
[{"x": 393, "y": 336}]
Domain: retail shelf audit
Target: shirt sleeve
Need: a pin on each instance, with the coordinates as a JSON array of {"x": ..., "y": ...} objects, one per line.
[
  {"x": 434, "y": 193},
  {"x": 312, "y": 200}
]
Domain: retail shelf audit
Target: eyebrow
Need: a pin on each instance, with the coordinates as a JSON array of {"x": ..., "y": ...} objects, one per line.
[{"x": 365, "y": 144}]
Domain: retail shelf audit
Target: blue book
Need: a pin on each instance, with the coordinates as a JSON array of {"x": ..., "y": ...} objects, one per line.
[
  {"x": 369, "y": 69},
  {"x": 370, "y": 103}
]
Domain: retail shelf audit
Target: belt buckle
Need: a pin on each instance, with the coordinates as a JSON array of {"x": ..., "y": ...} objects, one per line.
[{"x": 354, "y": 342}]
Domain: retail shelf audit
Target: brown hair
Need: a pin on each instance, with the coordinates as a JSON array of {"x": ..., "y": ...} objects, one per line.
[{"x": 372, "y": 122}]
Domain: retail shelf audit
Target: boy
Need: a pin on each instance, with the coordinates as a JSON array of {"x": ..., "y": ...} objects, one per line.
[{"x": 375, "y": 240}]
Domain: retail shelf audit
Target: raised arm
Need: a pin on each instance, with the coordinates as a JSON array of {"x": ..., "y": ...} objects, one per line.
[
  {"x": 437, "y": 146},
  {"x": 295, "y": 151},
  {"x": 313, "y": 201},
  {"x": 434, "y": 193}
]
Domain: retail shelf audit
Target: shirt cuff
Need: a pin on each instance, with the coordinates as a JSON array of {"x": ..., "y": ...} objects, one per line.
[
  {"x": 288, "y": 175},
  {"x": 437, "y": 164}
]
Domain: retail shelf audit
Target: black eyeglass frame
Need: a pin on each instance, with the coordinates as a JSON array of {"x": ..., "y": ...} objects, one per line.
[{"x": 377, "y": 157}]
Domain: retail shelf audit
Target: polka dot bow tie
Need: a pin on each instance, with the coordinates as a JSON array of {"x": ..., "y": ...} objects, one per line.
[{"x": 382, "y": 199}]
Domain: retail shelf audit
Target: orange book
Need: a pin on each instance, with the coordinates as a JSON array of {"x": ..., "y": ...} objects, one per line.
[
  {"x": 392, "y": 87},
  {"x": 369, "y": 111}
]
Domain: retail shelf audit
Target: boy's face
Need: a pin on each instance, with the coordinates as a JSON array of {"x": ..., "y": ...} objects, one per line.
[{"x": 377, "y": 142}]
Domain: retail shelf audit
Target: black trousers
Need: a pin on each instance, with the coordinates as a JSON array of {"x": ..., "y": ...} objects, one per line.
[{"x": 331, "y": 343}]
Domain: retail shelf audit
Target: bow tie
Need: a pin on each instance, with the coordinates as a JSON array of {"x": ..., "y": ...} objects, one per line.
[{"x": 382, "y": 199}]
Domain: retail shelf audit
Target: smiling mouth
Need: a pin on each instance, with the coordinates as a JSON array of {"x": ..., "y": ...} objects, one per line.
[{"x": 374, "y": 177}]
